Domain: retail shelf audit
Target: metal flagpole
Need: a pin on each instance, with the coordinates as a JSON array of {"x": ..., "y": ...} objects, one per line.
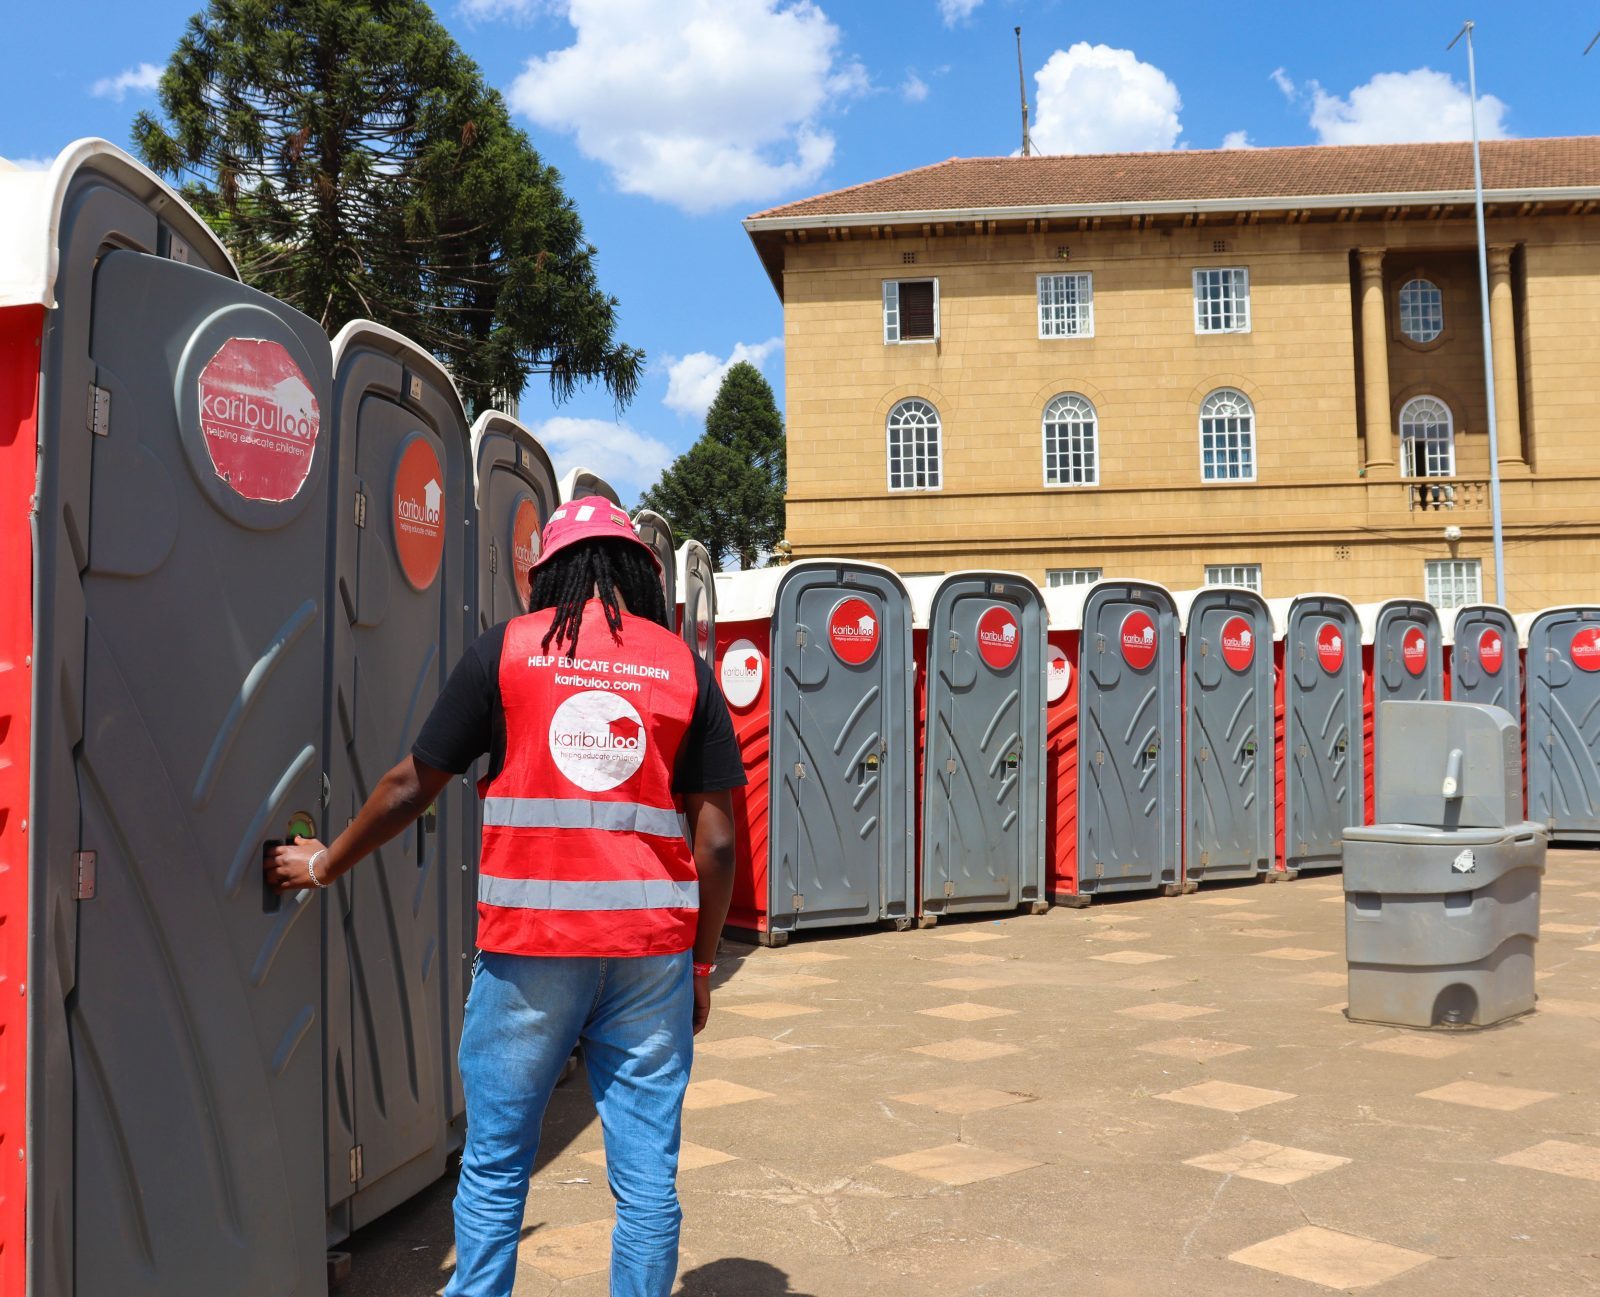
[{"x": 1488, "y": 339}]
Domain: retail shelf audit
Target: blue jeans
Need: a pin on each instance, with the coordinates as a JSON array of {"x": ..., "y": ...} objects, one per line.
[{"x": 524, "y": 1015}]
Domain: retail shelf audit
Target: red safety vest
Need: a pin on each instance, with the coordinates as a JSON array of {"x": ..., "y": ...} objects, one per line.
[{"x": 583, "y": 852}]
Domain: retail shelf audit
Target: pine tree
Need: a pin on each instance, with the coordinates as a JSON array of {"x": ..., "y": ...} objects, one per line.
[{"x": 357, "y": 165}]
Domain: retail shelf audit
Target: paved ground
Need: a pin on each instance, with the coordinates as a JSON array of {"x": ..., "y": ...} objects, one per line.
[{"x": 1146, "y": 1097}]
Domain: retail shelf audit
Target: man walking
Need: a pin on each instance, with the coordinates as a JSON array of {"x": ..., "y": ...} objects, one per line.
[{"x": 596, "y": 924}]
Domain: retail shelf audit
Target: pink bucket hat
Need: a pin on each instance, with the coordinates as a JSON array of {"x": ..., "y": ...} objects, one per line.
[{"x": 591, "y": 518}]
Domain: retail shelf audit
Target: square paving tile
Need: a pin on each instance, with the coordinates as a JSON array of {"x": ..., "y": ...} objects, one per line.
[
  {"x": 1565, "y": 882},
  {"x": 1193, "y": 1047},
  {"x": 719, "y": 1094},
  {"x": 969, "y": 983},
  {"x": 1332, "y": 900},
  {"x": 1593, "y": 896},
  {"x": 963, "y": 1099},
  {"x": 1568, "y": 929},
  {"x": 784, "y": 980},
  {"x": 970, "y": 935},
  {"x": 1150, "y": 982},
  {"x": 1324, "y": 978},
  {"x": 570, "y": 1251},
  {"x": 742, "y": 1047},
  {"x": 1299, "y": 953},
  {"x": 965, "y": 1049},
  {"x": 806, "y": 955},
  {"x": 1569, "y": 1008},
  {"x": 1417, "y": 1046},
  {"x": 1116, "y": 934},
  {"x": 1270, "y": 932},
  {"x": 1333, "y": 1008},
  {"x": 766, "y": 1009},
  {"x": 1580, "y": 1161},
  {"x": 1596, "y": 946},
  {"x": 1475, "y": 1094},
  {"x": 1334, "y": 1260},
  {"x": 1106, "y": 916},
  {"x": 1225, "y": 1096},
  {"x": 957, "y": 1164},
  {"x": 970, "y": 957},
  {"x": 1224, "y": 900},
  {"x": 967, "y": 1012},
  {"x": 691, "y": 1157},
  {"x": 1130, "y": 957},
  {"x": 1164, "y": 1011},
  {"x": 1256, "y": 1159}
]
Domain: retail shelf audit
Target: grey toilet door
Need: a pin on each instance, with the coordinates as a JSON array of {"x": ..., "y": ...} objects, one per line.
[
  {"x": 697, "y": 596},
  {"x": 196, "y": 609},
  {"x": 1130, "y": 740},
  {"x": 403, "y": 568},
  {"x": 982, "y": 803},
  {"x": 656, "y": 532},
  {"x": 1229, "y": 772},
  {"x": 1408, "y": 660},
  {"x": 1324, "y": 758},
  {"x": 1485, "y": 662},
  {"x": 516, "y": 496},
  {"x": 841, "y": 748},
  {"x": 1563, "y": 736}
]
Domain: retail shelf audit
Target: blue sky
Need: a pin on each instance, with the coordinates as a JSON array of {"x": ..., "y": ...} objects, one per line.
[{"x": 672, "y": 119}]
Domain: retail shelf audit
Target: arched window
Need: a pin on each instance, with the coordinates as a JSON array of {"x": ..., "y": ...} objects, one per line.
[
  {"x": 1227, "y": 437},
  {"x": 914, "y": 452},
  {"x": 1421, "y": 310},
  {"x": 1071, "y": 452},
  {"x": 1427, "y": 438}
]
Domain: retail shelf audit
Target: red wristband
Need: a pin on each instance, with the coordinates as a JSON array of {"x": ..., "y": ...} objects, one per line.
[{"x": 704, "y": 970}]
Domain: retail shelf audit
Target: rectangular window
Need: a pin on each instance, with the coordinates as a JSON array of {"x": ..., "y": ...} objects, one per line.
[
  {"x": 910, "y": 310},
  {"x": 1066, "y": 306},
  {"x": 1453, "y": 582},
  {"x": 1222, "y": 301},
  {"x": 1246, "y": 574},
  {"x": 1057, "y": 577}
]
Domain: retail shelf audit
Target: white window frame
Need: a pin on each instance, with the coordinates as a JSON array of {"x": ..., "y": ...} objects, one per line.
[
  {"x": 1445, "y": 577},
  {"x": 1061, "y": 578},
  {"x": 1238, "y": 316},
  {"x": 1247, "y": 575},
  {"x": 1250, "y": 434},
  {"x": 1059, "y": 319},
  {"x": 1438, "y": 454},
  {"x": 891, "y": 310},
  {"x": 1433, "y": 309},
  {"x": 1093, "y": 438},
  {"x": 889, "y": 446}
]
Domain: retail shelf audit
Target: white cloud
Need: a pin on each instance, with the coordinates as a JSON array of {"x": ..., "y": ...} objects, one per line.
[
  {"x": 692, "y": 381},
  {"x": 142, "y": 79},
  {"x": 1280, "y": 78},
  {"x": 698, "y": 103},
  {"x": 1095, "y": 99},
  {"x": 1404, "y": 107},
  {"x": 628, "y": 459},
  {"x": 1237, "y": 140},
  {"x": 955, "y": 11},
  {"x": 29, "y": 164},
  {"x": 913, "y": 89},
  {"x": 482, "y": 10}
]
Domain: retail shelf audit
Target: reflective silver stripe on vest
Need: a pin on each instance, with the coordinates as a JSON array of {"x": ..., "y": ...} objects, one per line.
[
  {"x": 579, "y": 813},
  {"x": 613, "y": 894}
]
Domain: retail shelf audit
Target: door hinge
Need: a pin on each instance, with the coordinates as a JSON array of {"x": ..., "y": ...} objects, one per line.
[
  {"x": 950, "y": 766},
  {"x": 1205, "y": 648},
  {"x": 799, "y": 902},
  {"x": 949, "y": 888},
  {"x": 494, "y": 558},
  {"x": 1205, "y": 754},
  {"x": 799, "y": 769},
  {"x": 955, "y": 642},
  {"x": 799, "y": 636},
  {"x": 355, "y": 1164},
  {"x": 1205, "y": 860},
  {"x": 361, "y": 508},
  {"x": 1099, "y": 758},
  {"x": 83, "y": 866},
  {"x": 99, "y": 411}
]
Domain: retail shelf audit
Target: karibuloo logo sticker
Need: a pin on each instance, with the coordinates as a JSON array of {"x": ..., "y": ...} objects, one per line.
[
  {"x": 1057, "y": 674},
  {"x": 999, "y": 637},
  {"x": 1330, "y": 647},
  {"x": 744, "y": 667},
  {"x": 1586, "y": 649},
  {"x": 1138, "y": 639},
  {"x": 597, "y": 740},
  {"x": 524, "y": 546},
  {"x": 419, "y": 513},
  {"x": 1238, "y": 644},
  {"x": 1492, "y": 650},
  {"x": 259, "y": 419},
  {"x": 1414, "y": 650},
  {"x": 853, "y": 631}
]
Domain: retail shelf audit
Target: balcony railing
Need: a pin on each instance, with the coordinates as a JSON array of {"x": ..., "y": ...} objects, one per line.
[{"x": 1438, "y": 494}]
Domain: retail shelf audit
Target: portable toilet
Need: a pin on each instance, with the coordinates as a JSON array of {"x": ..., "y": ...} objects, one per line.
[
  {"x": 982, "y": 724},
  {"x": 815, "y": 660},
  {"x": 656, "y": 532},
  {"x": 165, "y": 439},
  {"x": 1229, "y": 780},
  {"x": 403, "y": 584},
  {"x": 515, "y": 495},
  {"x": 1485, "y": 664},
  {"x": 1321, "y": 749},
  {"x": 1130, "y": 740},
  {"x": 581, "y": 482},
  {"x": 697, "y": 599},
  {"x": 1402, "y": 653},
  {"x": 1064, "y": 628},
  {"x": 1563, "y": 721}
]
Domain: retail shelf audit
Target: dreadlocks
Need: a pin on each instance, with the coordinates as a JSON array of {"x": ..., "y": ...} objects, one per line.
[{"x": 596, "y": 569}]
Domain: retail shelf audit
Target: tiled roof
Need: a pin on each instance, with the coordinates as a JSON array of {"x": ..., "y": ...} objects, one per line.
[{"x": 1312, "y": 172}]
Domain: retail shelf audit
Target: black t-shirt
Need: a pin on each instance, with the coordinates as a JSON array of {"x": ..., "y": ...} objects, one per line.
[{"x": 468, "y": 721}]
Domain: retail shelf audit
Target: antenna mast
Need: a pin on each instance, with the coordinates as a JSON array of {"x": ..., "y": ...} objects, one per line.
[{"x": 1022, "y": 84}]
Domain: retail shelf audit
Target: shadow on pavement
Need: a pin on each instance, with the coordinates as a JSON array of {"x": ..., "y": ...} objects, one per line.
[{"x": 737, "y": 1277}]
